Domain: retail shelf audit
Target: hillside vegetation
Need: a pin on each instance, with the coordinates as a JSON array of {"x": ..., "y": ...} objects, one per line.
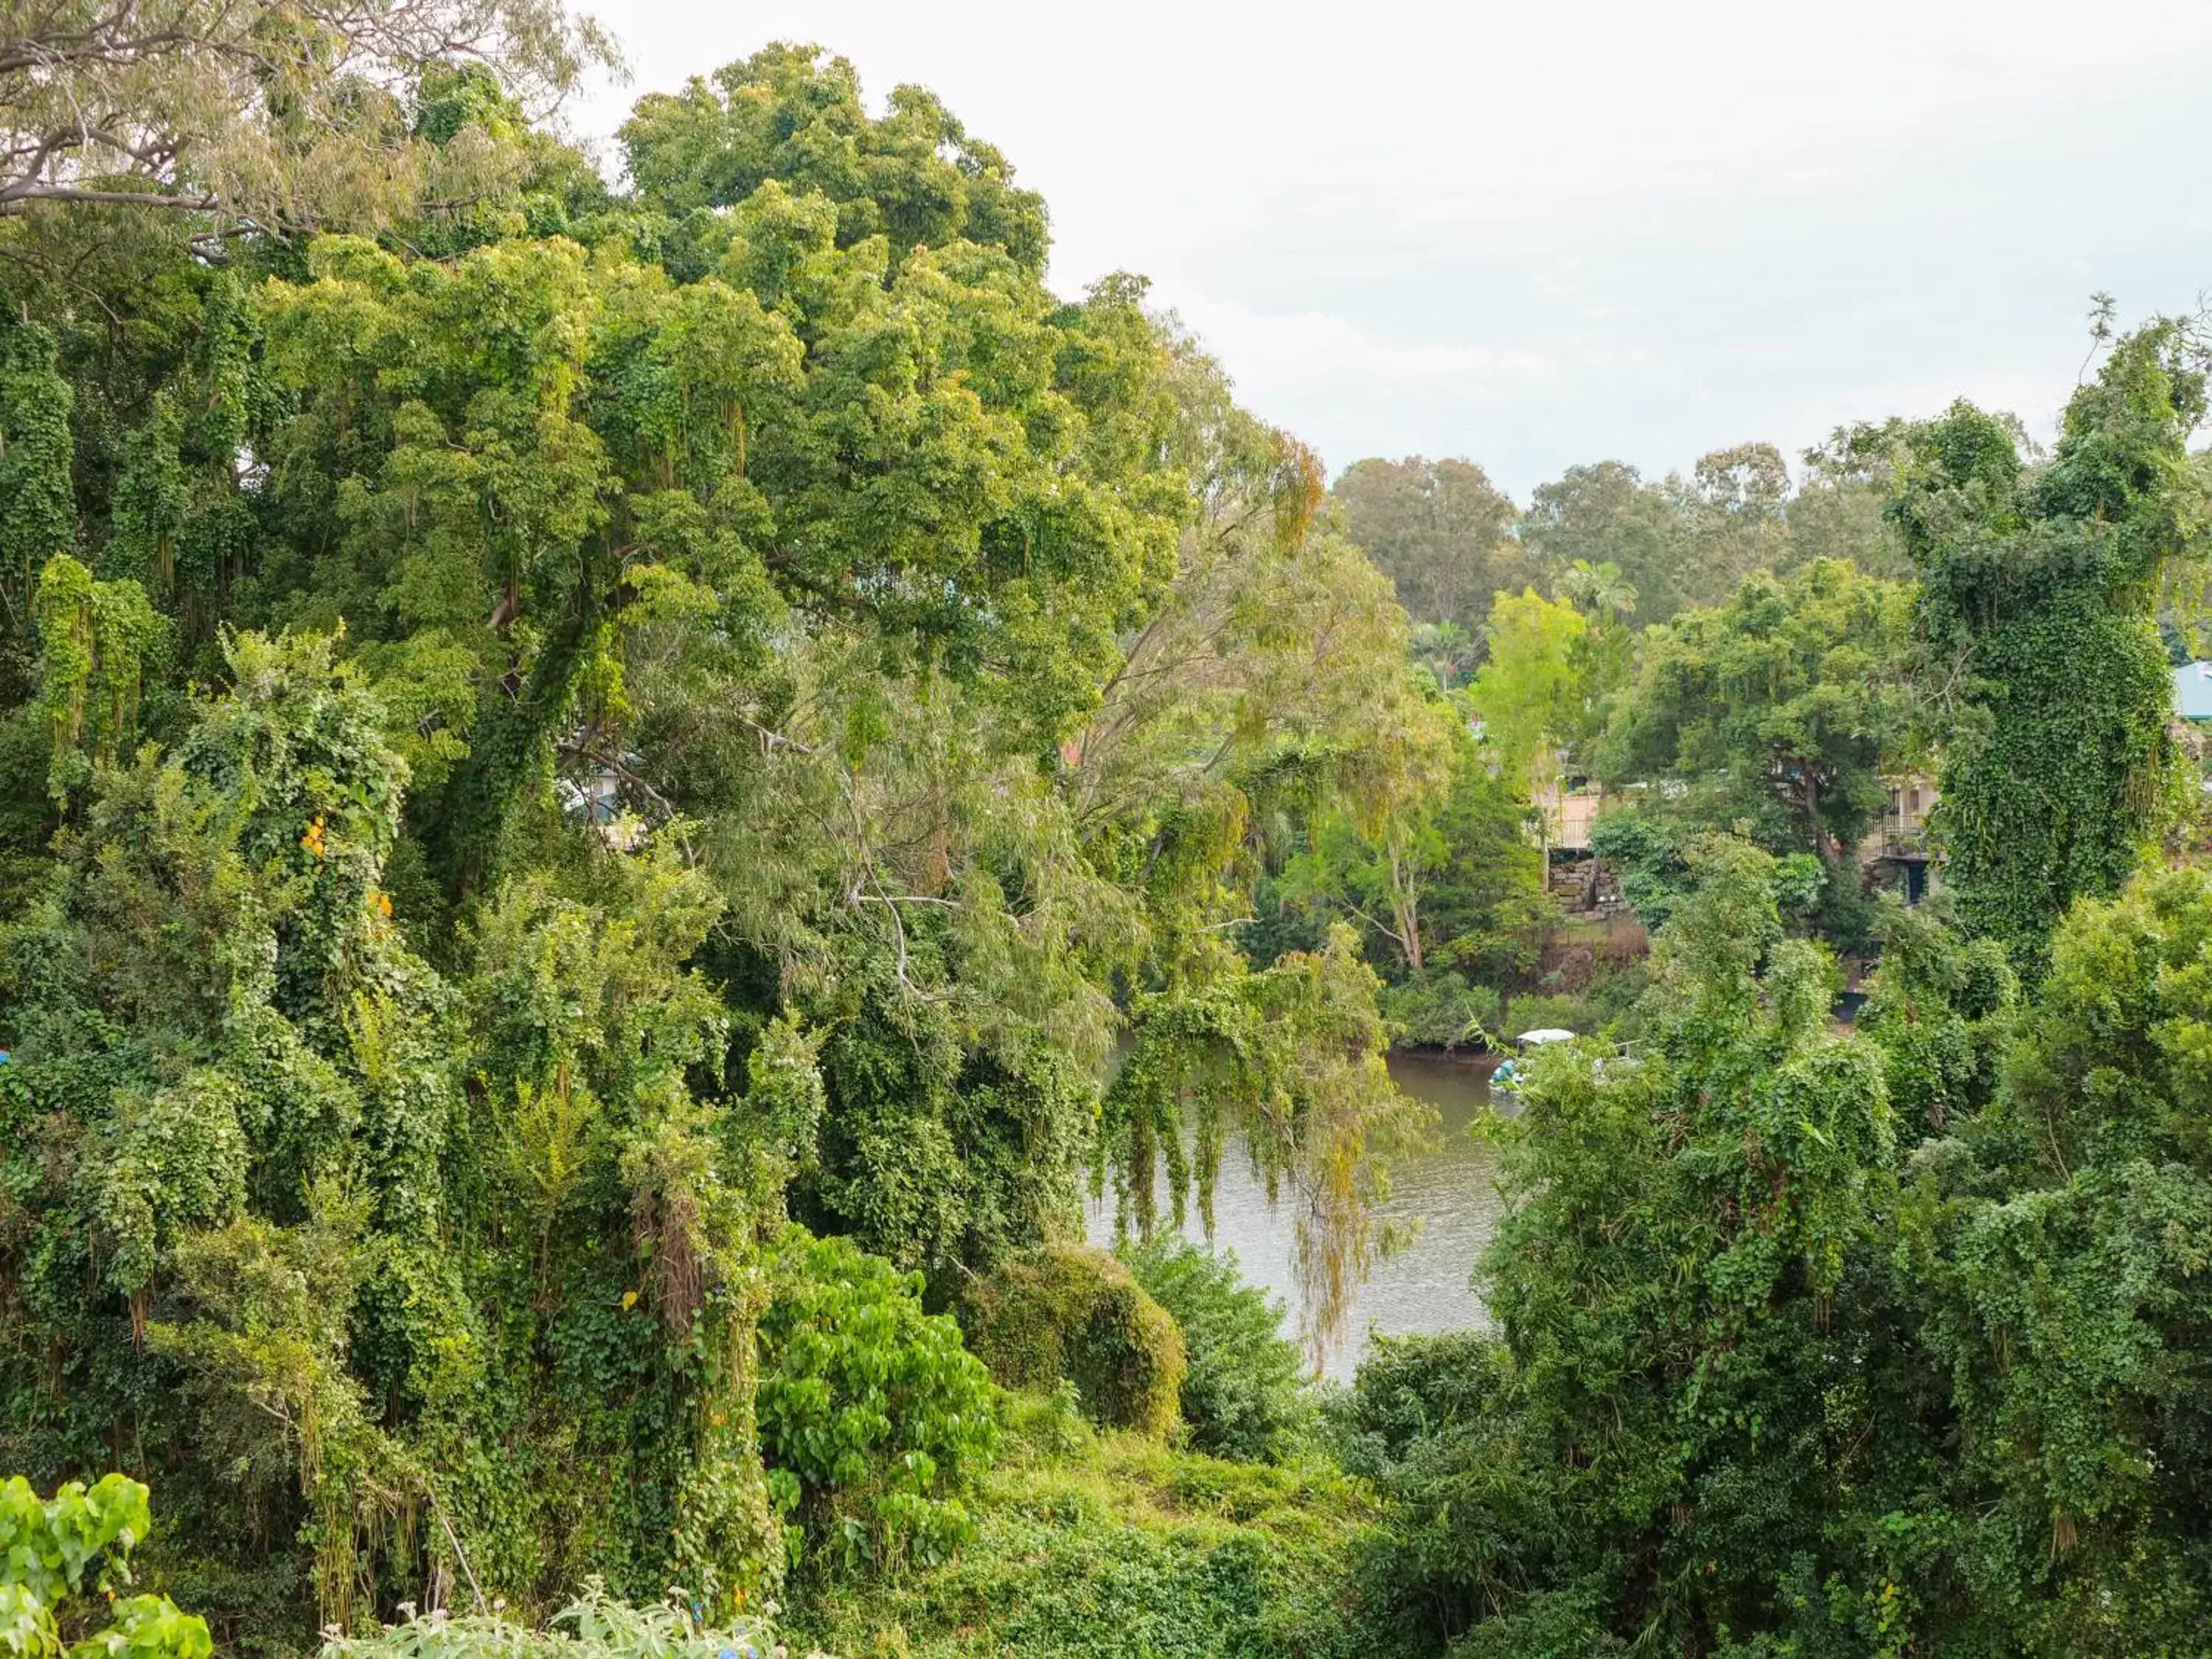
[{"x": 618, "y": 797}]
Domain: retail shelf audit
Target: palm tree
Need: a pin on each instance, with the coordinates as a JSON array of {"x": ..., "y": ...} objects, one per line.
[
  {"x": 1600, "y": 591},
  {"x": 1446, "y": 650}
]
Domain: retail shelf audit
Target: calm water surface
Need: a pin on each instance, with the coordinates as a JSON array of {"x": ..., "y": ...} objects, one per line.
[{"x": 1447, "y": 1190}]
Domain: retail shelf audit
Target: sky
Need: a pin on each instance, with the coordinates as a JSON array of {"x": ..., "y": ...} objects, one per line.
[{"x": 1535, "y": 234}]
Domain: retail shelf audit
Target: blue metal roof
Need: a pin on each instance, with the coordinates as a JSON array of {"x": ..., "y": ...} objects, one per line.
[{"x": 2192, "y": 690}]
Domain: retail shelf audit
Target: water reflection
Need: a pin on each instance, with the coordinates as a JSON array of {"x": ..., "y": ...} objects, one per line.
[{"x": 1447, "y": 1190}]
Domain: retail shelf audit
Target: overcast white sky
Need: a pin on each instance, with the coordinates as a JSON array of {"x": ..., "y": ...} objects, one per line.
[{"x": 1540, "y": 233}]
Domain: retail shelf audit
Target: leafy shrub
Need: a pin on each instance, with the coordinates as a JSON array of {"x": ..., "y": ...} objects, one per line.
[
  {"x": 873, "y": 1418},
  {"x": 1648, "y": 860},
  {"x": 1429, "y": 1422},
  {"x": 1070, "y": 1311},
  {"x": 1121, "y": 1547},
  {"x": 594, "y": 1626},
  {"x": 1244, "y": 1394},
  {"x": 1438, "y": 1009},
  {"x": 47, "y": 1547}
]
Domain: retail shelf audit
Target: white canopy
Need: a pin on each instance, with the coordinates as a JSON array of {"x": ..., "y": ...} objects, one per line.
[{"x": 1545, "y": 1034}]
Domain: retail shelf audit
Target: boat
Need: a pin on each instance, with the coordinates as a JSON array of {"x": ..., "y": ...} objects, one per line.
[{"x": 1511, "y": 1071}]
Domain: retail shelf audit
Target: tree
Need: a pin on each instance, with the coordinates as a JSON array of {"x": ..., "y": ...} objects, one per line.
[
  {"x": 1449, "y": 881},
  {"x": 1840, "y": 510},
  {"x": 1689, "y": 542},
  {"x": 1784, "y": 706},
  {"x": 1688, "y": 1362},
  {"x": 328, "y": 1220},
  {"x": 1440, "y": 530},
  {"x": 1606, "y": 514},
  {"x": 1293, "y": 1054},
  {"x": 1607, "y": 600},
  {"x": 1600, "y": 591},
  {"x": 915, "y": 177},
  {"x": 2038, "y": 588},
  {"x": 1734, "y": 509},
  {"x": 1244, "y": 1394},
  {"x": 2065, "y": 1297},
  {"x": 253, "y": 113},
  {"x": 1531, "y": 693}
]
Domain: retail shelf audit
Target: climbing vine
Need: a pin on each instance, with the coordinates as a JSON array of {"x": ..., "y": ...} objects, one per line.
[
  {"x": 37, "y": 509},
  {"x": 2038, "y": 586},
  {"x": 95, "y": 641}
]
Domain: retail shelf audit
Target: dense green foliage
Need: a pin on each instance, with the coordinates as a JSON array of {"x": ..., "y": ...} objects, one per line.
[
  {"x": 615, "y": 800},
  {"x": 874, "y": 1419},
  {"x": 58, "y": 1554},
  {"x": 1781, "y": 709},
  {"x": 1244, "y": 1394},
  {"x": 543, "y": 733},
  {"x": 1781, "y": 714},
  {"x": 1446, "y": 891},
  {"x": 1099, "y": 1547},
  {"x": 1883, "y": 1344},
  {"x": 1069, "y": 1311},
  {"x": 1642, "y": 1442},
  {"x": 312, "y": 1238},
  {"x": 2042, "y": 582}
]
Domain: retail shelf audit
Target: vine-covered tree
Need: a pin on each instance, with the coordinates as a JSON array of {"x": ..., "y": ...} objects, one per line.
[
  {"x": 543, "y": 734},
  {"x": 1689, "y": 1360},
  {"x": 2038, "y": 585}
]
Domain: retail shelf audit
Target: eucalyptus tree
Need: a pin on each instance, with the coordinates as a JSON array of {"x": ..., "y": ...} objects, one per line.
[
  {"x": 242, "y": 113},
  {"x": 1606, "y": 514},
  {"x": 1734, "y": 508},
  {"x": 1440, "y": 530}
]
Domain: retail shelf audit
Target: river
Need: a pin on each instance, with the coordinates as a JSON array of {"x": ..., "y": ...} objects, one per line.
[{"x": 1446, "y": 1191}]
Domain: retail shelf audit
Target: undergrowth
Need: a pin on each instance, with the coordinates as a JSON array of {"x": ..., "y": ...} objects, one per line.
[{"x": 1109, "y": 1545}]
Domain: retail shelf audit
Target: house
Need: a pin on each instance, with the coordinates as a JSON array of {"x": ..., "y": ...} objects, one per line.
[
  {"x": 1903, "y": 825},
  {"x": 1893, "y": 851}
]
